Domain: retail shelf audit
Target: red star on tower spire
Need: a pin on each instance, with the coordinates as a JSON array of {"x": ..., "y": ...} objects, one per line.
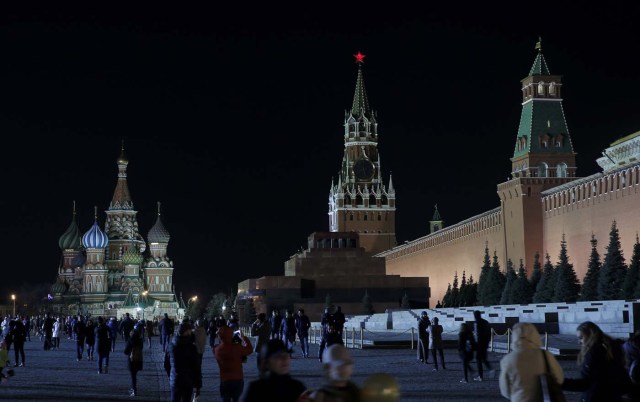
[{"x": 359, "y": 58}]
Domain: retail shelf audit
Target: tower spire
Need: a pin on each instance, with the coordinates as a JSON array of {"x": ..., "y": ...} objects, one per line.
[{"x": 360, "y": 104}]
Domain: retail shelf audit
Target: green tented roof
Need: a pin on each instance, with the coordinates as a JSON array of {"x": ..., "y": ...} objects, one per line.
[
  {"x": 542, "y": 117},
  {"x": 539, "y": 66}
]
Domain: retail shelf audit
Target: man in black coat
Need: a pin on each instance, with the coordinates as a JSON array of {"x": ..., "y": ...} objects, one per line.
[
  {"x": 79, "y": 330},
  {"x": 47, "y": 328},
  {"x": 166, "y": 331},
  {"x": 185, "y": 373},
  {"x": 103, "y": 344},
  {"x": 126, "y": 326},
  {"x": 423, "y": 337},
  {"x": 482, "y": 331}
]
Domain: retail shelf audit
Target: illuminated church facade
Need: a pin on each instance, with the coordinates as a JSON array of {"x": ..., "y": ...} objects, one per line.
[{"x": 105, "y": 271}]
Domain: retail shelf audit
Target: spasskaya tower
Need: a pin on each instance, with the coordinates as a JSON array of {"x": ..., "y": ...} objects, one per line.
[{"x": 360, "y": 201}]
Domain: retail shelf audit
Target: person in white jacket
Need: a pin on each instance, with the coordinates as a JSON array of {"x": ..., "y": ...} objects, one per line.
[
  {"x": 55, "y": 338},
  {"x": 521, "y": 368}
]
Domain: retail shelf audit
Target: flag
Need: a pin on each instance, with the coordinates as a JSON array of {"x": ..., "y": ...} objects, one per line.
[{"x": 49, "y": 297}]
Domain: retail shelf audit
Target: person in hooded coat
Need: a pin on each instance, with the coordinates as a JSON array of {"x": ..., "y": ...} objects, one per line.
[
  {"x": 229, "y": 356},
  {"x": 520, "y": 369}
]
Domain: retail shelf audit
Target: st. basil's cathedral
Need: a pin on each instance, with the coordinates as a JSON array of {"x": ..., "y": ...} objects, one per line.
[{"x": 105, "y": 271}]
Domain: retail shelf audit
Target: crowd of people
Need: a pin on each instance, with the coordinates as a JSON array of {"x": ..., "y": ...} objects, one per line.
[{"x": 609, "y": 368}]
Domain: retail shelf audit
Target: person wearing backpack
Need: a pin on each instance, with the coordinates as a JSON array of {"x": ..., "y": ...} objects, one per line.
[{"x": 134, "y": 349}]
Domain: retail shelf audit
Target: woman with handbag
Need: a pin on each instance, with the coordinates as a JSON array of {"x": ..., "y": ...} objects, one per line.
[
  {"x": 603, "y": 376},
  {"x": 520, "y": 370}
]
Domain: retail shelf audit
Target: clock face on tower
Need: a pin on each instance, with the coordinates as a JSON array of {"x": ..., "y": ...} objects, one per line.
[{"x": 363, "y": 169}]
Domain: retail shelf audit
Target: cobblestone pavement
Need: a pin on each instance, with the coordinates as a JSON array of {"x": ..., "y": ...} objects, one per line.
[{"x": 57, "y": 376}]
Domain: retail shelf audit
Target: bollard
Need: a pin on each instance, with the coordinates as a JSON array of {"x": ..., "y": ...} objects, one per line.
[
  {"x": 492, "y": 340},
  {"x": 353, "y": 338},
  {"x": 412, "y": 335},
  {"x": 508, "y": 340},
  {"x": 546, "y": 341},
  {"x": 361, "y": 337}
]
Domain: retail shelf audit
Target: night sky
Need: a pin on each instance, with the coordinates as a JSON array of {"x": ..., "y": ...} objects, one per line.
[{"x": 232, "y": 119}]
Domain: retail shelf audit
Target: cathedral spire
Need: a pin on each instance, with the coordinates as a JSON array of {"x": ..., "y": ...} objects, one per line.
[{"x": 121, "y": 196}]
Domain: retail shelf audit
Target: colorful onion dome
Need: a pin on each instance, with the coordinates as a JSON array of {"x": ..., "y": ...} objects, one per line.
[
  {"x": 59, "y": 287},
  {"x": 95, "y": 238},
  {"x": 132, "y": 256},
  {"x": 158, "y": 233},
  {"x": 70, "y": 239}
]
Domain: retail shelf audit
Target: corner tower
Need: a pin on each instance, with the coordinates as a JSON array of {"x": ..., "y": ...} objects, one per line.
[
  {"x": 543, "y": 158},
  {"x": 360, "y": 201},
  {"x": 543, "y": 146}
]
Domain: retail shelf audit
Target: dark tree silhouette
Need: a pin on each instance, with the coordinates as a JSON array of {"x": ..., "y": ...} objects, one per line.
[
  {"x": 507, "y": 290},
  {"x": 567, "y": 285},
  {"x": 484, "y": 275},
  {"x": 536, "y": 273},
  {"x": 522, "y": 292},
  {"x": 495, "y": 283},
  {"x": 590, "y": 283},
  {"x": 613, "y": 268},
  {"x": 544, "y": 290}
]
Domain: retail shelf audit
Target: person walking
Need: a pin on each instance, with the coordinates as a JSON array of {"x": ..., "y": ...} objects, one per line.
[
  {"x": 79, "y": 331},
  {"x": 183, "y": 358},
  {"x": 435, "y": 342},
  {"x": 331, "y": 337},
  {"x": 55, "y": 336},
  {"x": 166, "y": 331},
  {"x": 149, "y": 331},
  {"x": 521, "y": 368},
  {"x": 19, "y": 336},
  {"x": 423, "y": 337},
  {"x": 261, "y": 328},
  {"x": 90, "y": 338},
  {"x": 603, "y": 376},
  {"x": 47, "y": 328},
  {"x": 275, "y": 320},
  {"x": 276, "y": 384},
  {"x": 212, "y": 331},
  {"x": 302, "y": 328},
  {"x": 200, "y": 340},
  {"x": 482, "y": 330},
  {"x": 466, "y": 347},
  {"x": 126, "y": 326},
  {"x": 113, "y": 332},
  {"x": 134, "y": 351},
  {"x": 288, "y": 330},
  {"x": 103, "y": 344},
  {"x": 339, "y": 319},
  {"x": 229, "y": 356}
]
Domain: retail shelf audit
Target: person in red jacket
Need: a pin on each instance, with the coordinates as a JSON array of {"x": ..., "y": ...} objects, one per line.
[{"x": 229, "y": 356}]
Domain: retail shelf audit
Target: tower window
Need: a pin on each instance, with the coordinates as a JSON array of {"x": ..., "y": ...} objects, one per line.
[
  {"x": 552, "y": 88},
  {"x": 544, "y": 141},
  {"x": 543, "y": 170},
  {"x": 561, "y": 170},
  {"x": 541, "y": 88},
  {"x": 351, "y": 217},
  {"x": 365, "y": 216},
  {"x": 559, "y": 140}
]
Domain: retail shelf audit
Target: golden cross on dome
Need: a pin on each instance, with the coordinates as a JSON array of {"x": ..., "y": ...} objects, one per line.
[{"x": 359, "y": 58}]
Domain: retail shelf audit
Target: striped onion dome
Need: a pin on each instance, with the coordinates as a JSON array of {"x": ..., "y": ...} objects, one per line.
[
  {"x": 95, "y": 238},
  {"x": 70, "y": 239},
  {"x": 132, "y": 256},
  {"x": 158, "y": 233},
  {"x": 59, "y": 287}
]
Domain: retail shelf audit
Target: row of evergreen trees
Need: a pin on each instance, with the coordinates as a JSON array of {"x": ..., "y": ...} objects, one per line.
[{"x": 610, "y": 279}]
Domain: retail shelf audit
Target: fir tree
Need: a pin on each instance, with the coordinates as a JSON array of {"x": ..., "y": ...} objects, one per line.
[
  {"x": 633, "y": 273},
  {"x": 327, "y": 300},
  {"x": 507, "y": 291},
  {"x": 455, "y": 291},
  {"x": 446, "y": 300},
  {"x": 522, "y": 292},
  {"x": 635, "y": 263},
  {"x": 472, "y": 292},
  {"x": 613, "y": 269},
  {"x": 405, "y": 301},
  {"x": 544, "y": 292},
  {"x": 536, "y": 274},
  {"x": 367, "y": 306},
  {"x": 484, "y": 274},
  {"x": 567, "y": 284},
  {"x": 462, "y": 300},
  {"x": 590, "y": 283},
  {"x": 495, "y": 283}
]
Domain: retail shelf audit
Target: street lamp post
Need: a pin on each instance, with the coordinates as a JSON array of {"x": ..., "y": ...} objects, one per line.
[{"x": 13, "y": 297}]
